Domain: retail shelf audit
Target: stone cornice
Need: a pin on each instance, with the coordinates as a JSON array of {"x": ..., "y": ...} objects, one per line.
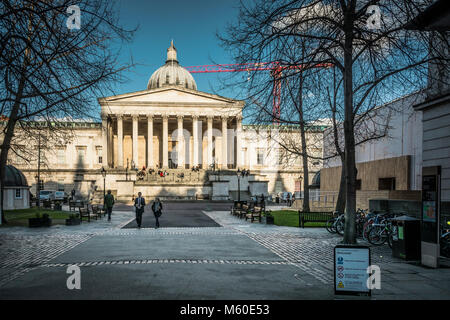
[{"x": 111, "y": 99}]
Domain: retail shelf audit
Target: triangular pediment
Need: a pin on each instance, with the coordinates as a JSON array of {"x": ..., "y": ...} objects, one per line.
[{"x": 170, "y": 95}]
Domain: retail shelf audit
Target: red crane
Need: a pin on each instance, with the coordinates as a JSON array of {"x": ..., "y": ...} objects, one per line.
[{"x": 274, "y": 67}]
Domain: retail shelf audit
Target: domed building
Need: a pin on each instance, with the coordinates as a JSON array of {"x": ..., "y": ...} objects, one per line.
[
  {"x": 16, "y": 192},
  {"x": 196, "y": 138}
]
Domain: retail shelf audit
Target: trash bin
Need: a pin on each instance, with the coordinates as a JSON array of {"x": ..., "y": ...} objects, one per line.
[{"x": 406, "y": 238}]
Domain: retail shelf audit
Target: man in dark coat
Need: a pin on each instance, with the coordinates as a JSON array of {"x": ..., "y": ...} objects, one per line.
[
  {"x": 109, "y": 203},
  {"x": 139, "y": 204},
  {"x": 156, "y": 208}
]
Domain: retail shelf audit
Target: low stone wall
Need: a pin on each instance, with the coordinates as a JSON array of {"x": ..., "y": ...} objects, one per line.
[{"x": 326, "y": 201}]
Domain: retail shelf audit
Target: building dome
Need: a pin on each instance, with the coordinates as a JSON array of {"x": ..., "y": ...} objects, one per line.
[
  {"x": 171, "y": 74},
  {"x": 14, "y": 177}
]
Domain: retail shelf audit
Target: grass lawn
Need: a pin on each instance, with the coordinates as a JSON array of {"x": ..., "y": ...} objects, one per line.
[
  {"x": 289, "y": 218},
  {"x": 20, "y": 217}
]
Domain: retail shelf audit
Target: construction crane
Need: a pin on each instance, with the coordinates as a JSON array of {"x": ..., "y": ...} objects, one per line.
[{"x": 275, "y": 68}]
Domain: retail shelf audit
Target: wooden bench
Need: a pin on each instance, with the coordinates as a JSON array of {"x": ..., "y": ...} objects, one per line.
[
  {"x": 244, "y": 211},
  {"x": 255, "y": 213},
  {"x": 314, "y": 217},
  {"x": 237, "y": 207},
  {"x": 75, "y": 205},
  {"x": 96, "y": 211},
  {"x": 84, "y": 212}
]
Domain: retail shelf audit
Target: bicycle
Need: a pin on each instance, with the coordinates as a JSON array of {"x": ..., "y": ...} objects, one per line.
[
  {"x": 384, "y": 231},
  {"x": 444, "y": 241},
  {"x": 336, "y": 224}
]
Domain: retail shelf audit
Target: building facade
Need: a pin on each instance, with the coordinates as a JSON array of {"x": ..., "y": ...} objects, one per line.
[
  {"x": 186, "y": 141},
  {"x": 390, "y": 166}
]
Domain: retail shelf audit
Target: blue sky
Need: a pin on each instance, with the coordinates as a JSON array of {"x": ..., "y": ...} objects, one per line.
[{"x": 191, "y": 24}]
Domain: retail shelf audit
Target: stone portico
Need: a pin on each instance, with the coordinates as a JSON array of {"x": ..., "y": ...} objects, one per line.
[
  {"x": 171, "y": 127},
  {"x": 171, "y": 124}
]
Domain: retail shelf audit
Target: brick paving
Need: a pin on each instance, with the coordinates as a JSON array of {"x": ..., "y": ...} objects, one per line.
[
  {"x": 19, "y": 253},
  {"x": 310, "y": 249}
]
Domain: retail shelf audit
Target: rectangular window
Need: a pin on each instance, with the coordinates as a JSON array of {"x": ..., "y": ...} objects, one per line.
[
  {"x": 245, "y": 157},
  {"x": 99, "y": 153},
  {"x": 386, "y": 184},
  {"x": 358, "y": 184},
  {"x": 280, "y": 157},
  {"x": 260, "y": 157},
  {"x": 60, "y": 184},
  {"x": 81, "y": 155},
  {"x": 61, "y": 156},
  {"x": 18, "y": 193}
]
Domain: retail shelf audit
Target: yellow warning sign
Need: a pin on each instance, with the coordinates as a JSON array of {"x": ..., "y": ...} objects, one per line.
[{"x": 340, "y": 285}]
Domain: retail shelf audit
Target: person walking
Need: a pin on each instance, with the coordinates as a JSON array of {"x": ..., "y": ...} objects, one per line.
[
  {"x": 139, "y": 204},
  {"x": 156, "y": 208},
  {"x": 109, "y": 203}
]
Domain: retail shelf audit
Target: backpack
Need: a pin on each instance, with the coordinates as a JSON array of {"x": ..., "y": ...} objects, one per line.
[{"x": 156, "y": 207}]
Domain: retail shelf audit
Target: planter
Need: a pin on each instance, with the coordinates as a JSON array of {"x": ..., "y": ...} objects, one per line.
[
  {"x": 47, "y": 204},
  {"x": 34, "y": 222},
  {"x": 270, "y": 220},
  {"x": 39, "y": 222},
  {"x": 73, "y": 221}
]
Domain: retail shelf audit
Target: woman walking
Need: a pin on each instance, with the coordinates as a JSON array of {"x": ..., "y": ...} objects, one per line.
[{"x": 156, "y": 208}]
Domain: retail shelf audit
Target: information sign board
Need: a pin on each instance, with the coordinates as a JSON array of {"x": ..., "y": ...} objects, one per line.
[{"x": 350, "y": 270}]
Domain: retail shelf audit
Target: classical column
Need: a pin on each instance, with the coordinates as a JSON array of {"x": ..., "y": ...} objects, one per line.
[
  {"x": 165, "y": 141},
  {"x": 238, "y": 142},
  {"x": 135, "y": 140},
  {"x": 120, "y": 140},
  {"x": 195, "y": 137},
  {"x": 105, "y": 140},
  {"x": 91, "y": 153},
  {"x": 150, "y": 162},
  {"x": 111, "y": 144},
  {"x": 210, "y": 140},
  {"x": 180, "y": 149},
  {"x": 224, "y": 143}
]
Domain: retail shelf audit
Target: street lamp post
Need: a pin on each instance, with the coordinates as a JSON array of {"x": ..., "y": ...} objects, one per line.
[
  {"x": 38, "y": 191},
  {"x": 240, "y": 174},
  {"x": 104, "y": 185}
]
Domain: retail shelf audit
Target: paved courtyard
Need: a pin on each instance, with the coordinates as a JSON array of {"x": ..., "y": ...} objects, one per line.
[{"x": 233, "y": 259}]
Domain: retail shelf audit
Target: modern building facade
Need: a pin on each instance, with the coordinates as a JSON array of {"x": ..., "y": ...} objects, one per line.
[{"x": 389, "y": 167}]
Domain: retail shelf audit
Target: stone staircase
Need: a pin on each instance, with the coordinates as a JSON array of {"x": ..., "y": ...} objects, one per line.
[
  {"x": 175, "y": 176},
  {"x": 245, "y": 195}
]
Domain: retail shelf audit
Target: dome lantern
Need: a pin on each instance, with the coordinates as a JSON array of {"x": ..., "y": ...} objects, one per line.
[{"x": 171, "y": 53}]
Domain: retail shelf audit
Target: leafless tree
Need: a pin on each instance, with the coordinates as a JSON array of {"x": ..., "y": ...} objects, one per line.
[
  {"x": 55, "y": 58},
  {"x": 375, "y": 57}
]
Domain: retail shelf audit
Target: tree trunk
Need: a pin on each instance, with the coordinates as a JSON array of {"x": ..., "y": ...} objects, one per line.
[
  {"x": 305, "y": 168},
  {"x": 340, "y": 203},
  {"x": 349, "y": 134},
  {"x": 304, "y": 149},
  {"x": 6, "y": 144}
]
